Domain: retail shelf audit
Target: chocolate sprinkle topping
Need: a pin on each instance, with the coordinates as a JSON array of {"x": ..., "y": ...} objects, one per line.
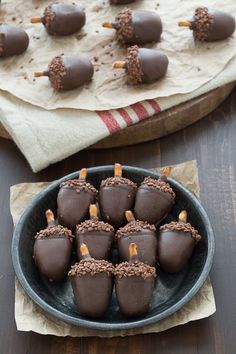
[
  {"x": 54, "y": 231},
  {"x": 91, "y": 266},
  {"x": 158, "y": 184},
  {"x": 48, "y": 16},
  {"x": 133, "y": 227},
  {"x": 57, "y": 71},
  {"x": 181, "y": 226},
  {"x": 123, "y": 25},
  {"x": 202, "y": 23},
  {"x": 79, "y": 185},
  {"x": 133, "y": 65},
  {"x": 138, "y": 269},
  {"x": 91, "y": 225},
  {"x": 111, "y": 181}
]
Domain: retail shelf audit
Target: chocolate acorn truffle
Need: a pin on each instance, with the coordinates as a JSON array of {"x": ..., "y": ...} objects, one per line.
[
  {"x": 74, "y": 199},
  {"x": 92, "y": 283},
  {"x": 143, "y": 65},
  {"x": 67, "y": 72},
  {"x": 136, "y": 27},
  {"x": 62, "y": 19},
  {"x": 142, "y": 234},
  {"x": 134, "y": 284},
  {"x": 116, "y": 195},
  {"x": 210, "y": 25},
  {"x": 121, "y": 2},
  {"x": 97, "y": 235},
  {"x": 154, "y": 198},
  {"x": 52, "y": 249},
  {"x": 176, "y": 243},
  {"x": 13, "y": 40}
]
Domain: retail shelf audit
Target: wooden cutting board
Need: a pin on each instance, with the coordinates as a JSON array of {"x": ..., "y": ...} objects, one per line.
[{"x": 163, "y": 123}]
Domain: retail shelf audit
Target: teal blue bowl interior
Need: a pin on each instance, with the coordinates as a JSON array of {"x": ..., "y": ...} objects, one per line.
[{"x": 171, "y": 291}]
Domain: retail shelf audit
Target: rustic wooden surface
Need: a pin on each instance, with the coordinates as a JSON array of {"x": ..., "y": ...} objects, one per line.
[
  {"x": 162, "y": 124},
  {"x": 212, "y": 142}
]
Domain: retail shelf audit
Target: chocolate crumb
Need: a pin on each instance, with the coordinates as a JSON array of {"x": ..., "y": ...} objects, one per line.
[
  {"x": 134, "y": 69},
  {"x": 111, "y": 181},
  {"x": 181, "y": 226},
  {"x": 54, "y": 231},
  {"x": 78, "y": 185},
  {"x": 138, "y": 269},
  {"x": 158, "y": 184},
  {"x": 92, "y": 267},
  {"x": 134, "y": 227},
  {"x": 201, "y": 24},
  {"x": 91, "y": 225},
  {"x": 123, "y": 25}
]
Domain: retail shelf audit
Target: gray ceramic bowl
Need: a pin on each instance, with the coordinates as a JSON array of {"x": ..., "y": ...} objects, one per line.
[{"x": 171, "y": 291}]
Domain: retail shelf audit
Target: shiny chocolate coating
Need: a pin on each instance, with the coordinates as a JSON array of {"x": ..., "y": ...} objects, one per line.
[
  {"x": 147, "y": 27},
  {"x": 151, "y": 204},
  {"x": 13, "y": 40},
  {"x": 69, "y": 72},
  {"x": 154, "y": 65},
  {"x": 52, "y": 256},
  {"x": 114, "y": 201},
  {"x": 73, "y": 206},
  {"x": 63, "y": 19},
  {"x": 146, "y": 242},
  {"x": 175, "y": 248},
  {"x": 220, "y": 26},
  {"x": 92, "y": 293},
  {"x": 121, "y": 2},
  {"x": 99, "y": 243},
  {"x": 134, "y": 294}
]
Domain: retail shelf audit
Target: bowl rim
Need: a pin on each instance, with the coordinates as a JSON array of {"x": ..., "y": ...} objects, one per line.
[{"x": 94, "y": 324}]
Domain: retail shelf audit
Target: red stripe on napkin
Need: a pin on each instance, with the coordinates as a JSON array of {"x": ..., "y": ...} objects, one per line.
[
  {"x": 109, "y": 121},
  {"x": 125, "y": 115},
  {"x": 140, "y": 110},
  {"x": 154, "y": 105}
]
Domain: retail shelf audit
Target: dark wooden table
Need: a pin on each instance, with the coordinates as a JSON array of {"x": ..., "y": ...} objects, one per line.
[{"x": 212, "y": 142}]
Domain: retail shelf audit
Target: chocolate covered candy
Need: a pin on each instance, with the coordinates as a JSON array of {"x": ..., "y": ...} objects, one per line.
[
  {"x": 143, "y": 65},
  {"x": 92, "y": 283},
  {"x": 74, "y": 199},
  {"x": 134, "y": 285},
  {"x": 13, "y": 40},
  {"x": 97, "y": 235},
  {"x": 68, "y": 72},
  {"x": 154, "y": 199},
  {"x": 62, "y": 19},
  {"x": 52, "y": 249},
  {"x": 121, "y": 2},
  {"x": 210, "y": 25},
  {"x": 176, "y": 244},
  {"x": 136, "y": 27},
  {"x": 116, "y": 195},
  {"x": 142, "y": 234}
]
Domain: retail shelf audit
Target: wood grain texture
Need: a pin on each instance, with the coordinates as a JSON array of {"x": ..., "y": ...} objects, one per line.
[
  {"x": 162, "y": 124},
  {"x": 212, "y": 143}
]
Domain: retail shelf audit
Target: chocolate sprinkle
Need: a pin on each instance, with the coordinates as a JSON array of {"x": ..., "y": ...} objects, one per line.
[
  {"x": 133, "y": 227},
  {"x": 91, "y": 266},
  {"x": 138, "y": 269},
  {"x": 111, "y": 181},
  {"x": 91, "y": 225},
  {"x": 133, "y": 65},
  {"x": 123, "y": 25},
  {"x": 57, "y": 71},
  {"x": 55, "y": 231},
  {"x": 78, "y": 185},
  {"x": 158, "y": 184},
  {"x": 48, "y": 16},
  {"x": 202, "y": 23},
  {"x": 181, "y": 226}
]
